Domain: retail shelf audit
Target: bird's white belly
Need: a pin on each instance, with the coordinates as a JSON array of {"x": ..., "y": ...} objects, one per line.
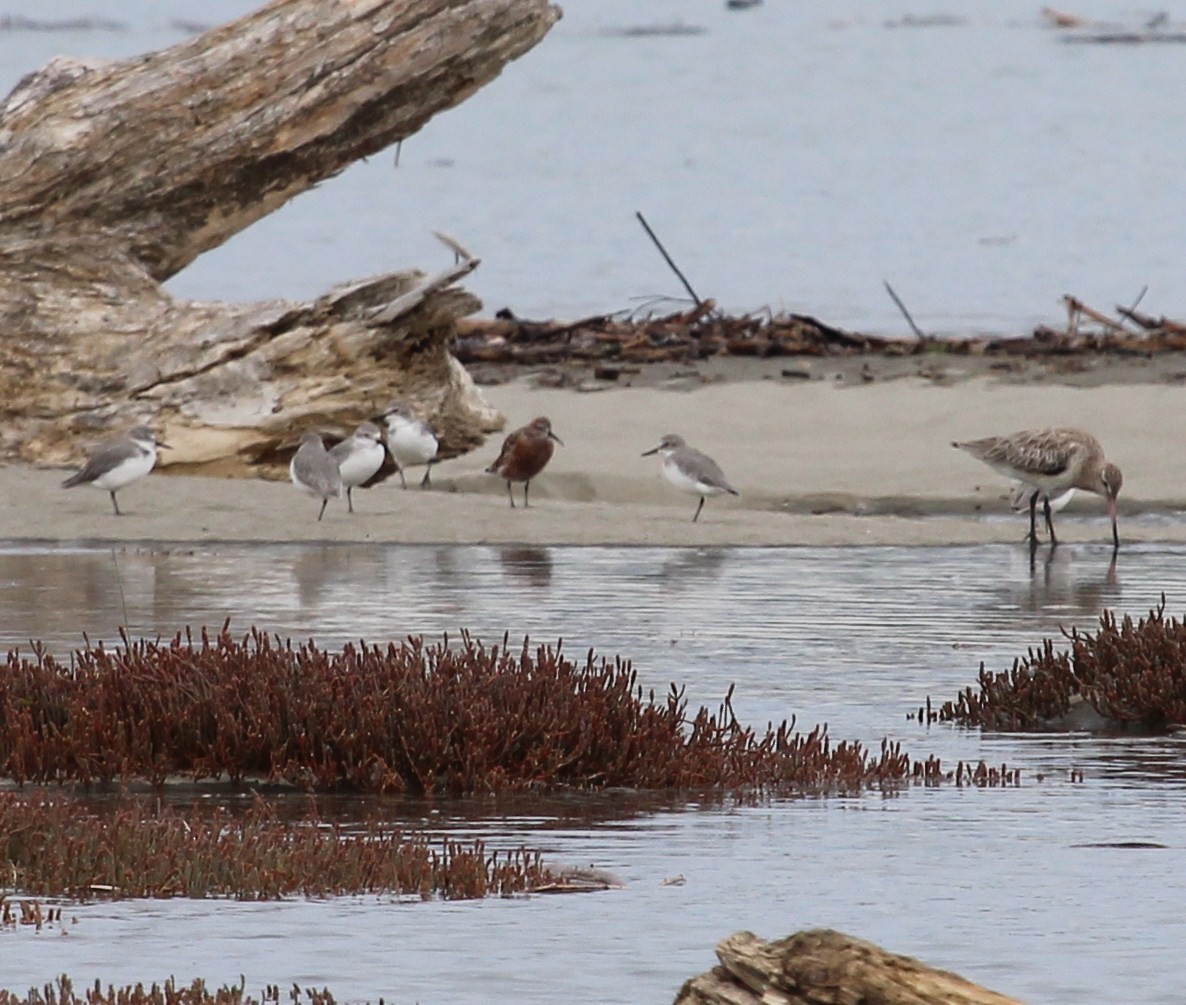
[
  {"x": 1020, "y": 497},
  {"x": 411, "y": 445},
  {"x": 126, "y": 472},
  {"x": 361, "y": 464},
  {"x": 680, "y": 479}
]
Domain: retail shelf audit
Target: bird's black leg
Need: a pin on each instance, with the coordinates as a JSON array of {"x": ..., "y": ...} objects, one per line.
[
  {"x": 115, "y": 504},
  {"x": 526, "y": 486},
  {"x": 698, "y": 509},
  {"x": 510, "y": 494},
  {"x": 426, "y": 481},
  {"x": 321, "y": 512},
  {"x": 1033, "y": 538},
  {"x": 402, "y": 480},
  {"x": 1049, "y": 522},
  {"x": 349, "y": 500}
]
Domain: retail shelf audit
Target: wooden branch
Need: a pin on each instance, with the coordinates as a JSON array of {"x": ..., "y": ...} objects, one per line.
[
  {"x": 175, "y": 152},
  {"x": 1076, "y": 307},
  {"x": 918, "y": 333},
  {"x": 414, "y": 297},
  {"x": 822, "y": 967},
  {"x": 115, "y": 175}
]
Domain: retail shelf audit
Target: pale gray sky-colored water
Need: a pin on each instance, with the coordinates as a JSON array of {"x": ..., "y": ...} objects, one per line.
[
  {"x": 997, "y": 885},
  {"x": 794, "y": 155}
]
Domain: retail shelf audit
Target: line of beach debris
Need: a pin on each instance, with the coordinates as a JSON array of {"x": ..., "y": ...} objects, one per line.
[{"x": 617, "y": 339}]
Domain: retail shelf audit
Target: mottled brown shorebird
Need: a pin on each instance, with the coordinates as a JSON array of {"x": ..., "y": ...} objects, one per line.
[
  {"x": 524, "y": 454},
  {"x": 1049, "y": 462},
  {"x": 691, "y": 471}
]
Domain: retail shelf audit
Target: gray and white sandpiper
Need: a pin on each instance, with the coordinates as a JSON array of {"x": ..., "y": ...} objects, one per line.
[
  {"x": 524, "y": 454},
  {"x": 1049, "y": 462},
  {"x": 359, "y": 457},
  {"x": 119, "y": 462},
  {"x": 689, "y": 470},
  {"x": 313, "y": 470},
  {"x": 410, "y": 440}
]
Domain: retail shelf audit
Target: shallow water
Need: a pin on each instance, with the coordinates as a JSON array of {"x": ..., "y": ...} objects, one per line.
[
  {"x": 994, "y": 884},
  {"x": 793, "y": 155}
]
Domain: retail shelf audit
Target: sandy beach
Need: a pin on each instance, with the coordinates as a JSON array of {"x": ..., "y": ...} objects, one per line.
[{"x": 823, "y": 453}]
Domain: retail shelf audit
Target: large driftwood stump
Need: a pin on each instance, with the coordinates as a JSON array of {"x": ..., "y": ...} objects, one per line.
[
  {"x": 823, "y": 967},
  {"x": 116, "y": 175}
]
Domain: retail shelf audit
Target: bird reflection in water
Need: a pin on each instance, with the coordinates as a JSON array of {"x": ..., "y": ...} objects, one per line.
[
  {"x": 686, "y": 566},
  {"x": 320, "y": 571},
  {"x": 529, "y": 566},
  {"x": 57, "y": 597},
  {"x": 1068, "y": 578}
]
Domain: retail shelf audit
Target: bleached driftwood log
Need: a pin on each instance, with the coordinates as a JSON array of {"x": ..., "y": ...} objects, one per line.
[
  {"x": 116, "y": 175},
  {"x": 824, "y": 967}
]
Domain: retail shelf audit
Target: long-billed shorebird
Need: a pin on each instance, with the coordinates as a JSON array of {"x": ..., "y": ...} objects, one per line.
[
  {"x": 524, "y": 454},
  {"x": 313, "y": 470},
  {"x": 689, "y": 470},
  {"x": 1049, "y": 462},
  {"x": 410, "y": 441},
  {"x": 119, "y": 462},
  {"x": 359, "y": 457}
]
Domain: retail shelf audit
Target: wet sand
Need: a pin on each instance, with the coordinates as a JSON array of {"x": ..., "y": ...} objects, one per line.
[{"x": 823, "y": 457}]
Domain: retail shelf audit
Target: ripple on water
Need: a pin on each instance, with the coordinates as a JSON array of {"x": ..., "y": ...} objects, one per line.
[{"x": 1003, "y": 886}]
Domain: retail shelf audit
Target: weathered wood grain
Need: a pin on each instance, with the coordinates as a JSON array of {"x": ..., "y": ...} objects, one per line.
[
  {"x": 116, "y": 175},
  {"x": 825, "y": 967}
]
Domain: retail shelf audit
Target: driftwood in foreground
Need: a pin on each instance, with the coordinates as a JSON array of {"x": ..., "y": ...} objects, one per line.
[
  {"x": 824, "y": 967},
  {"x": 116, "y": 175}
]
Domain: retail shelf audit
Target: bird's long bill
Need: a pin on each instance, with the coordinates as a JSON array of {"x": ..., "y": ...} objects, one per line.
[
  {"x": 1115, "y": 530},
  {"x": 162, "y": 445},
  {"x": 553, "y": 436},
  {"x": 647, "y": 453}
]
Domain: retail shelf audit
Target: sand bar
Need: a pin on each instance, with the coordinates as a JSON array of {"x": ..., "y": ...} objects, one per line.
[{"x": 818, "y": 462}]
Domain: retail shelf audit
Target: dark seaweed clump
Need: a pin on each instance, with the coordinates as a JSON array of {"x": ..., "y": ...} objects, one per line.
[
  {"x": 1127, "y": 675},
  {"x": 58, "y": 846},
  {"x": 412, "y": 718},
  {"x": 62, "y": 993}
]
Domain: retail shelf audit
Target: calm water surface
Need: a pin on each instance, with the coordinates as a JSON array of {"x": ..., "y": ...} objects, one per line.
[
  {"x": 994, "y": 884},
  {"x": 794, "y": 155}
]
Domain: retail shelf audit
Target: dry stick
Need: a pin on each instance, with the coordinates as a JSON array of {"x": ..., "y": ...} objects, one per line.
[
  {"x": 1079, "y": 307},
  {"x": 667, "y": 258},
  {"x": 905, "y": 313},
  {"x": 1128, "y": 314},
  {"x": 1144, "y": 322},
  {"x": 119, "y": 582}
]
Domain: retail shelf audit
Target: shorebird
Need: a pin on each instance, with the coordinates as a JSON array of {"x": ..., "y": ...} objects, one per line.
[
  {"x": 691, "y": 471},
  {"x": 359, "y": 457},
  {"x": 1049, "y": 462},
  {"x": 313, "y": 470},
  {"x": 410, "y": 440},
  {"x": 119, "y": 462},
  {"x": 524, "y": 454}
]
